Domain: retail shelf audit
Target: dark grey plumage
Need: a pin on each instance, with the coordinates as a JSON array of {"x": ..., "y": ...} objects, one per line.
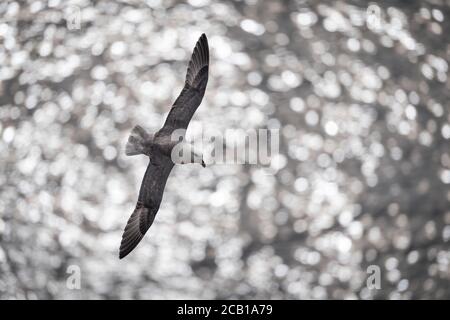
[
  {"x": 194, "y": 88},
  {"x": 160, "y": 165}
]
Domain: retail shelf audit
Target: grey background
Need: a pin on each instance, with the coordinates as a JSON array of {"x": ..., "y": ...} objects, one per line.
[{"x": 364, "y": 157}]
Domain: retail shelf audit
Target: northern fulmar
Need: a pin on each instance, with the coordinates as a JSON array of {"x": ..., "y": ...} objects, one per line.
[{"x": 158, "y": 148}]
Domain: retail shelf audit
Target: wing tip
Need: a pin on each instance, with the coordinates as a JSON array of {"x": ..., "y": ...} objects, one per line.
[
  {"x": 204, "y": 39},
  {"x": 129, "y": 245},
  {"x": 199, "y": 59},
  {"x": 139, "y": 222},
  {"x": 132, "y": 234},
  {"x": 202, "y": 44},
  {"x": 123, "y": 253}
]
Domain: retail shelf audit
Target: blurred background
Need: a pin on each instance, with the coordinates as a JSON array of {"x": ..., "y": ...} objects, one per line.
[{"x": 360, "y": 96}]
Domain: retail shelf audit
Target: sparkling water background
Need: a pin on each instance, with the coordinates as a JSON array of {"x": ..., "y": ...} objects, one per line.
[{"x": 363, "y": 176}]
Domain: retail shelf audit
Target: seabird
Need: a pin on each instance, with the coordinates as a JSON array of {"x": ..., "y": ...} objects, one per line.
[{"x": 158, "y": 148}]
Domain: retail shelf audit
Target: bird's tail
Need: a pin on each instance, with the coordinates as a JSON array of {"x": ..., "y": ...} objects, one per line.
[{"x": 136, "y": 141}]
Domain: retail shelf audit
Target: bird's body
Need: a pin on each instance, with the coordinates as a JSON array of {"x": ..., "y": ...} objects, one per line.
[{"x": 160, "y": 146}]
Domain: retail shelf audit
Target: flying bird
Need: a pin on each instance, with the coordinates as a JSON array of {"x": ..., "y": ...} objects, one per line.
[{"x": 159, "y": 146}]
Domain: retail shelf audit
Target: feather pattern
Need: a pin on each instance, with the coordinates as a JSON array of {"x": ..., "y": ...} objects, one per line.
[
  {"x": 193, "y": 91},
  {"x": 150, "y": 196}
]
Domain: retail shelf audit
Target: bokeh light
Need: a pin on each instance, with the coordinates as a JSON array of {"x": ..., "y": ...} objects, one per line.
[{"x": 364, "y": 123}]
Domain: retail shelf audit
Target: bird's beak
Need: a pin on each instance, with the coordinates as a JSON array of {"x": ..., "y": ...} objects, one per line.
[{"x": 203, "y": 164}]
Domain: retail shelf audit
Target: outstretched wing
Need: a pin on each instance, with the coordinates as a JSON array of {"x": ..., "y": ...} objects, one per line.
[
  {"x": 194, "y": 88},
  {"x": 150, "y": 196}
]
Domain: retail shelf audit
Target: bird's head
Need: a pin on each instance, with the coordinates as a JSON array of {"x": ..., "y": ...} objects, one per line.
[
  {"x": 185, "y": 152},
  {"x": 197, "y": 157}
]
